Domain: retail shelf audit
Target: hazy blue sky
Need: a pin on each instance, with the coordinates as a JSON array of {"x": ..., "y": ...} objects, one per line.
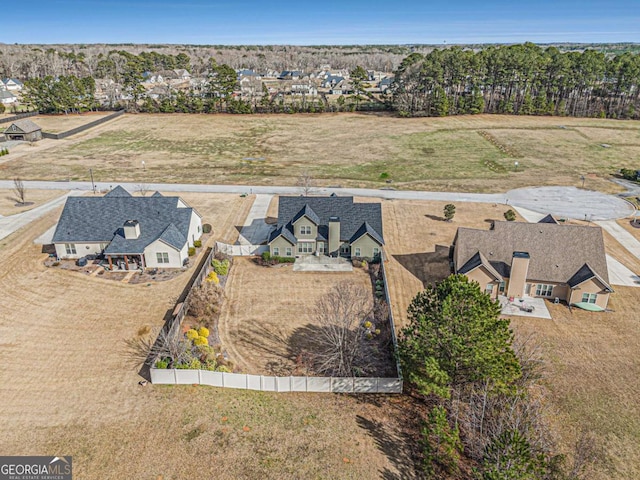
[{"x": 322, "y": 21}]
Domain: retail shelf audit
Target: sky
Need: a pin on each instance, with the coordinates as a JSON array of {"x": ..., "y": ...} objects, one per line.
[{"x": 323, "y": 22}]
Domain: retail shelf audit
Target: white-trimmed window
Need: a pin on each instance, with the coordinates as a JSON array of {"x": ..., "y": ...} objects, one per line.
[
  {"x": 276, "y": 251},
  {"x": 501, "y": 287},
  {"x": 70, "y": 248},
  {"x": 305, "y": 247},
  {"x": 376, "y": 251},
  {"x": 357, "y": 251},
  {"x": 489, "y": 289},
  {"x": 543, "y": 290},
  {"x": 289, "y": 252},
  {"x": 589, "y": 297},
  {"x": 305, "y": 229},
  {"x": 162, "y": 257},
  {"x": 344, "y": 248}
]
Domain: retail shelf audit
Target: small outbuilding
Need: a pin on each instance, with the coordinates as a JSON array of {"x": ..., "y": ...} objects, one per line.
[{"x": 24, "y": 130}]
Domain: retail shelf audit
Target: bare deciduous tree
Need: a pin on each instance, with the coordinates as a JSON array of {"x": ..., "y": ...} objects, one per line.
[
  {"x": 306, "y": 183},
  {"x": 19, "y": 189},
  {"x": 143, "y": 189},
  {"x": 147, "y": 348},
  {"x": 340, "y": 337}
]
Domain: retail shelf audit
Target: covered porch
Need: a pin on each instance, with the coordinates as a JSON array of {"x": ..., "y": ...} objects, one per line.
[
  {"x": 322, "y": 263},
  {"x": 526, "y": 306},
  {"x": 132, "y": 261}
]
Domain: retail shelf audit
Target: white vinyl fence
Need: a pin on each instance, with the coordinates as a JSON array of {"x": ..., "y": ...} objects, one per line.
[
  {"x": 276, "y": 384},
  {"x": 240, "y": 250}
]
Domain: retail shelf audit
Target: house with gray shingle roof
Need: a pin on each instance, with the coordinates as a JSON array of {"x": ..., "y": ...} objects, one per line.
[
  {"x": 545, "y": 259},
  {"x": 25, "y": 130},
  {"x": 130, "y": 232},
  {"x": 327, "y": 226},
  {"x": 6, "y": 97}
]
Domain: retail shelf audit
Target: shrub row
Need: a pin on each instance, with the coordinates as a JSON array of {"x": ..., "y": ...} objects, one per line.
[{"x": 4, "y": 151}]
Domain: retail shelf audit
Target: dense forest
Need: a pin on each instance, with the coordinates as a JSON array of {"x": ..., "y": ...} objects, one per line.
[
  {"x": 518, "y": 79},
  {"x": 522, "y": 79}
]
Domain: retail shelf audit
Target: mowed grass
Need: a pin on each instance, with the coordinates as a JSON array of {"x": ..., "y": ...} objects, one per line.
[
  {"x": 68, "y": 385},
  {"x": 466, "y": 153},
  {"x": 62, "y": 123},
  {"x": 592, "y": 365}
]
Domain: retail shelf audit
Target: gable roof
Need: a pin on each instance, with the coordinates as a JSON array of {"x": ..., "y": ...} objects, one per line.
[
  {"x": 6, "y": 94},
  {"x": 353, "y": 216},
  {"x": 365, "y": 229},
  {"x": 308, "y": 212},
  {"x": 118, "y": 192},
  {"x": 586, "y": 273},
  {"x": 25, "y": 125},
  {"x": 479, "y": 260},
  {"x": 556, "y": 252},
  {"x": 100, "y": 219},
  {"x": 7, "y": 81},
  {"x": 548, "y": 219}
]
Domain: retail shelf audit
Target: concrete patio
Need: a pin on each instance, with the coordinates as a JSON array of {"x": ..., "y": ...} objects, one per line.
[
  {"x": 322, "y": 263},
  {"x": 518, "y": 308}
]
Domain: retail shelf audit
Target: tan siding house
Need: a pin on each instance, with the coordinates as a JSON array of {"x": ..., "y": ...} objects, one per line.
[
  {"x": 564, "y": 262},
  {"x": 333, "y": 225}
]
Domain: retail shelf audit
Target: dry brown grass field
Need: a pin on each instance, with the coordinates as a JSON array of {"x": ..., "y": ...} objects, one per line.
[
  {"x": 592, "y": 361},
  {"x": 267, "y": 315},
  {"x": 466, "y": 153},
  {"x": 33, "y": 198},
  {"x": 62, "y": 123},
  {"x": 69, "y": 386}
]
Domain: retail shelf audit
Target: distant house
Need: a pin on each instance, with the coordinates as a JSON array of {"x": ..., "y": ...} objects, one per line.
[
  {"x": 182, "y": 74},
  {"x": 385, "y": 83},
  {"x": 158, "y": 92},
  {"x": 7, "y": 98},
  {"x": 289, "y": 75},
  {"x": 332, "y": 80},
  {"x": 303, "y": 87},
  {"x": 544, "y": 259},
  {"x": 246, "y": 72},
  {"x": 335, "y": 226},
  {"x": 12, "y": 84},
  {"x": 342, "y": 88},
  {"x": 25, "y": 130},
  {"x": 131, "y": 232}
]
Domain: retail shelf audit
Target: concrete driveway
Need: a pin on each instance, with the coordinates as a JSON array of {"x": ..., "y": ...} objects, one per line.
[
  {"x": 255, "y": 231},
  {"x": 621, "y": 275},
  {"x": 12, "y": 223},
  {"x": 570, "y": 202}
]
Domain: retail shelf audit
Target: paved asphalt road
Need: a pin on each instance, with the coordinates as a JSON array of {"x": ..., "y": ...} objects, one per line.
[
  {"x": 568, "y": 202},
  {"x": 561, "y": 201}
]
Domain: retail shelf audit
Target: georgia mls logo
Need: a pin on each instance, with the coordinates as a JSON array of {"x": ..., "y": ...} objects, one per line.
[{"x": 35, "y": 468}]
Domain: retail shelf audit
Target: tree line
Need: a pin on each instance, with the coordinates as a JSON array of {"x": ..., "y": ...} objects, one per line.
[{"x": 518, "y": 79}]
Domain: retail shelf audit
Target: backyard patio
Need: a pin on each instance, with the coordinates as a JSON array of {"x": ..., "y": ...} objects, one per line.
[{"x": 533, "y": 307}]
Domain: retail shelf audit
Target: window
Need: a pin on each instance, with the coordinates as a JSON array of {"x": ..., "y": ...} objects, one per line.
[
  {"x": 70, "y": 248},
  {"x": 489, "y": 289},
  {"x": 288, "y": 250},
  {"x": 344, "y": 248},
  {"x": 162, "y": 257},
  {"x": 276, "y": 251},
  {"x": 305, "y": 247},
  {"x": 589, "y": 297},
  {"x": 305, "y": 230},
  {"x": 357, "y": 251},
  {"x": 502, "y": 286},
  {"x": 543, "y": 290},
  {"x": 198, "y": 228}
]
